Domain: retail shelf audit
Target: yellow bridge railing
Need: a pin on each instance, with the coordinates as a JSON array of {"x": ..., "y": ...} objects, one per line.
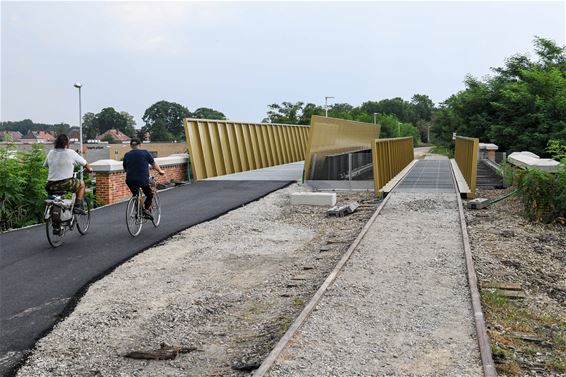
[
  {"x": 218, "y": 147},
  {"x": 330, "y": 135},
  {"x": 390, "y": 156},
  {"x": 466, "y": 156}
]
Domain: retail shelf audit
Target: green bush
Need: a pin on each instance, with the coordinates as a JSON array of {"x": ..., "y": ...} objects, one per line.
[
  {"x": 22, "y": 192},
  {"x": 544, "y": 194}
]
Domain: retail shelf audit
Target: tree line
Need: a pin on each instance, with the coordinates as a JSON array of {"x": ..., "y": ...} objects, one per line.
[{"x": 520, "y": 106}]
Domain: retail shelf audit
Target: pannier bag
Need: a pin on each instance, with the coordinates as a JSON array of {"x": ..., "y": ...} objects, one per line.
[{"x": 61, "y": 211}]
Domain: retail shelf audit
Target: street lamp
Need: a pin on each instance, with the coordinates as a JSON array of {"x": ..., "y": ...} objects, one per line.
[
  {"x": 326, "y": 105},
  {"x": 375, "y": 118},
  {"x": 78, "y": 85}
]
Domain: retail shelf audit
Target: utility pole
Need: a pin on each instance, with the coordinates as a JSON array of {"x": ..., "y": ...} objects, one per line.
[{"x": 78, "y": 85}]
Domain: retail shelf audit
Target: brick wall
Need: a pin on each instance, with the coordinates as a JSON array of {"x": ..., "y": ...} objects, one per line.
[{"x": 111, "y": 179}]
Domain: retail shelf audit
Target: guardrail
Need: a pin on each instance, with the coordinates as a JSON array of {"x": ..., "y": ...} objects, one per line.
[
  {"x": 390, "y": 156},
  {"x": 220, "y": 147},
  {"x": 330, "y": 136},
  {"x": 466, "y": 156}
]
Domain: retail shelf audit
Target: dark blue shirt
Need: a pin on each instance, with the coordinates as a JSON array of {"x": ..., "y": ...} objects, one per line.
[{"x": 136, "y": 164}]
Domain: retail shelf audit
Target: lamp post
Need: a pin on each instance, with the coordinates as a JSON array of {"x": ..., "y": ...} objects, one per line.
[
  {"x": 375, "y": 118},
  {"x": 78, "y": 85},
  {"x": 326, "y": 105},
  {"x": 399, "y": 128}
]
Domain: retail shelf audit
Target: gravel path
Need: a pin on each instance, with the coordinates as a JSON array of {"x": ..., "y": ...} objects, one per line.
[
  {"x": 229, "y": 287},
  {"x": 400, "y": 306}
]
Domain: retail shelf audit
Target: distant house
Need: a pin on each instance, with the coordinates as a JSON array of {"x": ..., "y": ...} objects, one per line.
[
  {"x": 38, "y": 137},
  {"x": 10, "y": 135},
  {"x": 115, "y": 135},
  {"x": 74, "y": 135}
]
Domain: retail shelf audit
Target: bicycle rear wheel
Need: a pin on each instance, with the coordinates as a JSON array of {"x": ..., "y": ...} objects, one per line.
[
  {"x": 83, "y": 221},
  {"x": 134, "y": 218},
  {"x": 155, "y": 210},
  {"x": 55, "y": 232}
]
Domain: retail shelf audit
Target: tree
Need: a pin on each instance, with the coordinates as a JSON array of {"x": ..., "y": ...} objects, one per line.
[
  {"x": 206, "y": 113},
  {"x": 309, "y": 110},
  {"x": 423, "y": 108},
  {"x": 108, "y": 118},
  {"x": 90, "y": 127},
  {"x": 287, "y": 112},
  {"x": 164, "y": 121},
  {"x": 521, "y": 107}
]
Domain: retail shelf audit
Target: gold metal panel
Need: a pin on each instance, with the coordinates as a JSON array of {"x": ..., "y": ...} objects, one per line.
[
  {"x": 330, "y": 136},
  {"x": 233, "y": 147},
  {"x": 389, "y": 157},
  {"x": 241, "y": 146},
  {"x": 216, "y": 148},
  {"x": 225, "y": 148},
  {"x": 222, "y": 147},
  {"x": 466, "y": 156}
]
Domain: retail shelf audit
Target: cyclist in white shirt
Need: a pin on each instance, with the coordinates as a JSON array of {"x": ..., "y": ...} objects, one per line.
[{"x": 61, "y": 162}]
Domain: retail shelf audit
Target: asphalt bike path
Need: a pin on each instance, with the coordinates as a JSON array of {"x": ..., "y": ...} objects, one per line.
[{"x": 39, "y": 284}]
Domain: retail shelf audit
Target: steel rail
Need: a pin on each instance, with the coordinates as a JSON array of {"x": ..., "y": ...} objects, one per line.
[
  {"x": 479, "y": 319},
  {"x": 303, "y": 316}
]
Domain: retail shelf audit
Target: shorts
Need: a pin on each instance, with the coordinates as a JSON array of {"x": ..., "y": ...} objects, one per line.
[{"x": 68, "y": 185}]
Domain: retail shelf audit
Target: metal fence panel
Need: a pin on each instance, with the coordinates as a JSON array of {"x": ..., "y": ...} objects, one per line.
[
  {"x": 466, "y": 156},
  {"x": 218, "y": 147},
  {"x": 390, "y": 156}
]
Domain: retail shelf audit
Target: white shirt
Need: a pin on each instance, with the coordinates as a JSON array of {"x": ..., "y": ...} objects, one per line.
[{"x": 61, "y": 163}]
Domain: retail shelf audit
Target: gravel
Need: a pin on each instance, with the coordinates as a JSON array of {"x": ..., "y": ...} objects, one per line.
[
  {"x": 401, "y": 306},
  {"x": 228, "y": 287},
  {"x": 509, "y": 249}
]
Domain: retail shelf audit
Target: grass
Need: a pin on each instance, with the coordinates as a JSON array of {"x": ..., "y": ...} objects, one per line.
[
  {"x": 442, "y": 150},
  {"x": 298, "y": 303},
  {"x": 507, "y": 318}
]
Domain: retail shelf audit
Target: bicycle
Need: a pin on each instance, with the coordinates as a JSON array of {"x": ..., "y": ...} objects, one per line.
[
  {"x": 60, "y": 217},
  {"x": 134, "y": 210}
]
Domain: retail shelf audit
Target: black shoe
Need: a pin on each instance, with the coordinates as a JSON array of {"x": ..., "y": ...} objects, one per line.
[{"x": 147, "y": 214}]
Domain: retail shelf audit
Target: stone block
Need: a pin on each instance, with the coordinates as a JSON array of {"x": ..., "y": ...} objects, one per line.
[{"x": 314, "y": 198}]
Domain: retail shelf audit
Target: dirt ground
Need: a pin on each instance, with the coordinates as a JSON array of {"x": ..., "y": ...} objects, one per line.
[
  {"x": 218, "y": 295},
  {"x": 514, "y": 257}
]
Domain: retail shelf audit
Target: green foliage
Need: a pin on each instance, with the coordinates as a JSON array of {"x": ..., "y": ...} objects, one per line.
[
  {"x": 442, "y": 150},
  {"x": 520, "y": 107},
  {"x": 287, "y": 112},
  {"x": 396, "y": 116},
  {"x": 206, "y": 113},
  {"x": 22, "y": 181},
  {"x": 557, "y": 150},
  {"x": 543, "y": 195},
  {"x": 108, "y": 118},
  {"x": 23, "y": 126},
  {"x": 164, "y": 121}
]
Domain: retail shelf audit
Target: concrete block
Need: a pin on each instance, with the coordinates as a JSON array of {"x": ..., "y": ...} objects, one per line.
[
  {"x": 343, "y": 210},
  {"x": 314, "y": 198},
  {"x": 478, "y": 203}
]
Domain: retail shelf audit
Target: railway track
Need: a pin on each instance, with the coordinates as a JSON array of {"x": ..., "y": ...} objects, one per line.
[{"x": 482, "y": 339}]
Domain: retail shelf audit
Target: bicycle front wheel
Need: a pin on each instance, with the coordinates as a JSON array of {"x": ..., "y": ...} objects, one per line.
[
  {"x": 55, "y": 232},
  {"x": 134, "y": 220},
  {"x": 155, "y": 210},
  {"x": 83, "y": 220}
]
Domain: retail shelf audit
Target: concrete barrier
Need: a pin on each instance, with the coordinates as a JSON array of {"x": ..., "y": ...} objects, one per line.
[{"x": 314, "y": 198}]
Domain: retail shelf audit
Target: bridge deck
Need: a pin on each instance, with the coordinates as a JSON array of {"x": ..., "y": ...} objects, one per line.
[{"x": 429, "y": 175}]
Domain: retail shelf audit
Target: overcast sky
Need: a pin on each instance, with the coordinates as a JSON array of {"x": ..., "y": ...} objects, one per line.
[{"x": 239, "y": 57}]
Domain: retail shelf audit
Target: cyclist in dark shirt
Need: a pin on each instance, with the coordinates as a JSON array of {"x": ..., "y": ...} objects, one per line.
[{"x": 136, "y": 164}]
